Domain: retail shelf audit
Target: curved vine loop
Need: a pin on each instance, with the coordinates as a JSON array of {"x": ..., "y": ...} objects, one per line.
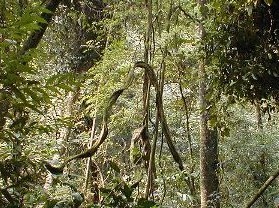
[{"x": 107, "y": 113}]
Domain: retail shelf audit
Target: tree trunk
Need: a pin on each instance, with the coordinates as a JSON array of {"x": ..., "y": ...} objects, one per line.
[
  {"x": 35, "y": 37},
  {"x": 209, "y": 184},
  {"x": 259, "y": 115}
]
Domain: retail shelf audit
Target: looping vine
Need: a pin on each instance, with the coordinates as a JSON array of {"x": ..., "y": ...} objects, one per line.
[{"x": 107, "y": 113}]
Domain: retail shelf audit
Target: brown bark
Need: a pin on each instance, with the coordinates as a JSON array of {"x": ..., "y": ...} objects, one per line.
[
  {"x": 165, "y": 128},
  {"x": 259, "y": 115},
  {"x": 146, "y": 99},
  {"x": 209, "y": 185},
  {"x": 95, "y": 184}
]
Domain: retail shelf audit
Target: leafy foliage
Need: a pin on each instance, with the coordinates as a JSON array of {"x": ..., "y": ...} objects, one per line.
[
  {"x": 244, "y": 48},
  {"x": 51, "y": 97}
]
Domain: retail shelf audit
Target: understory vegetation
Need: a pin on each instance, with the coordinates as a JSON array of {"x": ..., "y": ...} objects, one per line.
[{"x": 139, "y": 103}]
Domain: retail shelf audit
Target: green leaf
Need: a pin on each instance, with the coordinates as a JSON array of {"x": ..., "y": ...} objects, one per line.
[
  {"x": 105, "y": 190},
  {"x": 45, "y": 10},
  {"x": 127, "y": 191},
  {"x": 20, "y": 95},
  {"x": 44, "y": 95},
  {"x": 65, "y": 87},
  {"x": 52, "y": 79},
  {"x": 32, "y": 94},
  {"x": 53, "y": 89},
  {"x": 41, "y": 20},
  {"x": 225, "y": 132},
  {"x": 33, "y": 107},
  {"x": 213, "y": 121},
  {"x": 114, "y": 166},
  {"x": 143, "y": 203},
  {"x": 13, "y": 78}
]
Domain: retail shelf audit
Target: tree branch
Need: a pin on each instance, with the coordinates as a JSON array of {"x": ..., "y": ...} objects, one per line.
[
  {"x": 186, "y": 14},
  {"x": 263, "y": 188}
]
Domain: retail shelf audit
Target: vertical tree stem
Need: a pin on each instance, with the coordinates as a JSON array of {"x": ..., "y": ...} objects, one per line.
[
  {"x": 209, "y": 185},
  {"x": 259, "y": 115},
  {"x": 146, "y": 98},
  {"x": 91, "y": 141}
]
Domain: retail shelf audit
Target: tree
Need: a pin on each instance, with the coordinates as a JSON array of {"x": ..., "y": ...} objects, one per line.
[
  {"x": 247, "y": 62},
  {"x": 209, "y": 185}
]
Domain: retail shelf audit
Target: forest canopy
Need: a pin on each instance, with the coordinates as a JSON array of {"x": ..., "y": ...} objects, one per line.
[{"x": 139, "y": 103}]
